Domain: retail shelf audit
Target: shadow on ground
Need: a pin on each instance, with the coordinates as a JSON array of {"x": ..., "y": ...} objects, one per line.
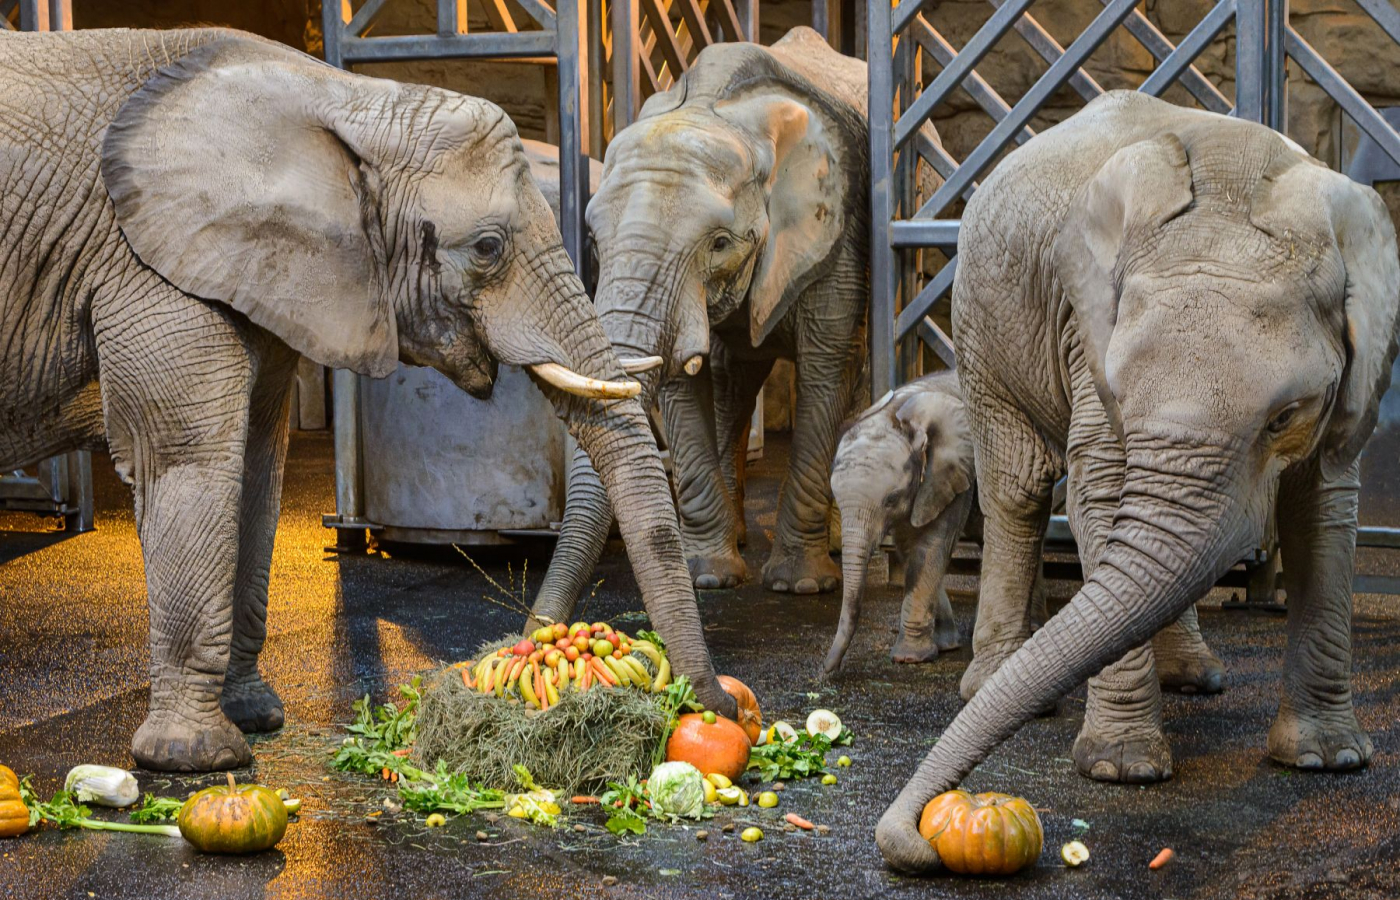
[{"x": 73, "y": 664}]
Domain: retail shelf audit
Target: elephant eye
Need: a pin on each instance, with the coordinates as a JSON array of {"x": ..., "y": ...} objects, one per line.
[
  {"x": 1280, "y": 420},
  {"x": 487, "y": 249},
  {"x": 720, "y": 244}
]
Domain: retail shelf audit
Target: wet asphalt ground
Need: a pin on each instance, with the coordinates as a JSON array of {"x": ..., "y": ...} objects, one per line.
[{"x": 73, "y": 689}]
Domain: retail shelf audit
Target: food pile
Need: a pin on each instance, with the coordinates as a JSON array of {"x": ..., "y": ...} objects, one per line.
[{"x": 557, "y": 658}]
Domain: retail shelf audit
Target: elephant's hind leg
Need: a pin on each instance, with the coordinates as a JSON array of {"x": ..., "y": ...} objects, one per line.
[
  {"x": 737, "y": 383},
  {"x": 175, "y": 382},
  {"x": 1184, "y": 661},
  {"x": 1316, "y": 727},
  {"x": 248, "y": 700}
]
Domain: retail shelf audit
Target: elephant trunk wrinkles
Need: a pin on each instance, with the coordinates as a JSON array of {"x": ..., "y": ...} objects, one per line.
[
  {"x": 616, "y": 436},
  {"x": 1177, "y": 530},
  {"x": 860, "y": 535}
]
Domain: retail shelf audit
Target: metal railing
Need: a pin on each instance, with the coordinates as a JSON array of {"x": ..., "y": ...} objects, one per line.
[{"x": 903, "y": 300}]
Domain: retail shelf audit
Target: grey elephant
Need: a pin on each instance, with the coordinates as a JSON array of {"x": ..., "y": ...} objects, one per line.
[
  {"x": 1197, "y": 321},
  {"x": 186, "y": 212},
  {"x": 905, "y": 468},
  {"x": 732, "y": 223}
]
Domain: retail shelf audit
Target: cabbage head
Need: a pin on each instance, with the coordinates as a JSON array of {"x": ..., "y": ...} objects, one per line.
[{"x": 676, "y": 790}]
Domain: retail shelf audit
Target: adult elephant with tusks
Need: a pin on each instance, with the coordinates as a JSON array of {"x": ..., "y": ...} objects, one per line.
[
  {"x": 186, "y": 212},
  {"x": 731, "y": 228},
  {"x": 1197, "y": 321}
]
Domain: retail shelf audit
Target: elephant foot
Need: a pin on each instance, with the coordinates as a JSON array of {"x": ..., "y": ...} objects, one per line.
[
  {"x": 923, "y": 645},
  {"x": 809, "y": 571},
  {"x": 1134, "y": 758},
  {"x": 167, "y": 743},
  {"x": 717, "y": 571},
  {"x": 1201, "y": 673},
  {"x": 1334, "y": 742},
  {"x": 252, "y": 705}
]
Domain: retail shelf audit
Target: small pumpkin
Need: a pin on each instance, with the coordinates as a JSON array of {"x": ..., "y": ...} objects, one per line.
[
  {"x": 233, "y": 819},
  {"x": 720, "y": 746},
  {"x": 14, "y": 815},
  {"x": 982, "y": 834},
  {"x": 750, "y": 719}
]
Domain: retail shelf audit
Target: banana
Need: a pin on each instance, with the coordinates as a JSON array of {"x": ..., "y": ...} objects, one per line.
[
  {"x": 511, "y": 673},
  {"x": 579, "y": 665},
  {"x": 489, "y": 677},
  {"x": 620, "y": 672},
  {"x": 663, "y": 677},
  {"x": 563, "y": 671},
  {"x": 551, "y": 691},
  {"x": 527, "y": 690},
  {"x": 649, "y": 650},
  {"x": 640, "y": 676}
]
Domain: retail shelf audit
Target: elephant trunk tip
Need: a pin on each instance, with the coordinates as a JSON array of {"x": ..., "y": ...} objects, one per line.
[{"x": 904, "y": 849}]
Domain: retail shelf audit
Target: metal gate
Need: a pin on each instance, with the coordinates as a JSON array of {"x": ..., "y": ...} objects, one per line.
[
  {"x": 61, "y": 485},
  {"x": 906, "y": 305}
]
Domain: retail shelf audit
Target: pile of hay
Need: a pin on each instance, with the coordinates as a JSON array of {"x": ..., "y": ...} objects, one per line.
[{"x": 577, "y": 746}]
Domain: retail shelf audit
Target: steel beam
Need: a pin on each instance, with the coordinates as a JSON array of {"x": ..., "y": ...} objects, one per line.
[
  {"x": 1251, "y": 26},
  {"x": 1352, "y": 103},
  {"x": 485, "y": 45},
  {"x": 1191, "y": 46},
  {"x": 884, "y": 272},
  {"x": 573, "y": 128}
]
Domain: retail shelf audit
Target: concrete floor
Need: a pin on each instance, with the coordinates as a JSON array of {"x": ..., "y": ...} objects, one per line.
[{"x": 73, "y": 667}]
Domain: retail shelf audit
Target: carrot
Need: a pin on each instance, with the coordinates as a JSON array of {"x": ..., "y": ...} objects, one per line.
[
  {"x": 1161, "y": 859},
  {"x": 602, "y": 672},
  {"x": 539, "y": 686},
  {"x": 800, "y": 822},
  {"x": 587, "y": 681},
  {"x": 401, "y": 752},
  {"x": 488, "y": 678},
  {"x": 467, "y": 678},
  {"x": 583, "y": 799}
]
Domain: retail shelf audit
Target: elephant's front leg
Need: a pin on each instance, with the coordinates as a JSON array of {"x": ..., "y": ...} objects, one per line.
[
  {"x": 926, "y": 623},
  {"x": 1184, "y": 661},
  {"x": 1316, "y": 727},
  {"x": 709, "y": 533},
  {"x": 736, "y": 385},
  {"x": 800, "y": 561},
  {"x": 248, "y": 700},
  {"x": 1121, "y": 738}
]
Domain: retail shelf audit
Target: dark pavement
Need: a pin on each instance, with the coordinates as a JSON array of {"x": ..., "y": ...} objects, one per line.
[{"x": 73, "y": 689}]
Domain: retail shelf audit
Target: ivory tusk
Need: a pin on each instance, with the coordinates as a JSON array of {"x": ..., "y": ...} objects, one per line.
[
  {"x": 692, "y": 365},
  {"x": 574, "y": 383},
  {"x": 643, "y": 364}
]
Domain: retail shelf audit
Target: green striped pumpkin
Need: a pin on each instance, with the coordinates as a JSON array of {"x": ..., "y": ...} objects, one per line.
[{"x": 234, "y": 819}]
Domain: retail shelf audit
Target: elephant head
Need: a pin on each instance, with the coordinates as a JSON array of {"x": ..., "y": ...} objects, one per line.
[
  {"x": 367, "y": 222},
  {"x": 1236, "y": 304},
  {"x": 904, "y": 460},
  {"x": 732, "y": 190}
]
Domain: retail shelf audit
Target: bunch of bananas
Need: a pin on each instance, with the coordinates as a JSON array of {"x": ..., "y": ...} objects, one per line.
[{"x": 557, "y": 658}]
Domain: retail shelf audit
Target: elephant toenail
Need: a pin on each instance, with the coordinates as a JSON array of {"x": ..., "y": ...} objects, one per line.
[
  {"x": 805, "y": 586},
  {"x": 830, "y": 584},
  {"x": 707, "y": 582},
  {"x": 780, "y": 586},
  {"x": 1188, "y": 689},
  {"x": 1141, "y": 773},
  {"x": 1215, "y": 682},
  {"x": 1348, "y": 758},
  {"x": 1309, "y": 761},
  {"x": 1104, "y": 770}
]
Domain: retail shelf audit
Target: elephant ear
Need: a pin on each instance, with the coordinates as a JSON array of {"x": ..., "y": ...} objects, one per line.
[
  {"x": 1136, "y": 191},
  {"x": 1294, "y": 190},
  {"x": 937, "y": 423},
  {"x": 232, "y": 180},
  {"x": 806, "y": 188}
]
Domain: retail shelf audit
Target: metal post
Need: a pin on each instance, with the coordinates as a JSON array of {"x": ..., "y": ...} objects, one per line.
[
  {"x": 45, "y": 15},
  {"x": 78, "y": 493},
  {"x": 626, "y": 74},
  {"x": 572, "y": 48},
  {"x": 596, "y": 58},
  {"x": 821, "y": 12},
  {"x": 1250, "y": 29},
  {"x": 884, "y": 271},
  {"x": 747, "y": 11},
  {"x": 1276, "y": 67},
  {"x": 907, "y": 355}
]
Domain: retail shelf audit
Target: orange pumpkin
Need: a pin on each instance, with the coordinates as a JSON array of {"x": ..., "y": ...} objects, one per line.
[
  {"x": 749, "y": 717},
  {"x": 14, "y": 815},
  {"x": 233, "y": 819},
  {"x": 721, "y": 747},
  {"x": 983, "y": 834}
]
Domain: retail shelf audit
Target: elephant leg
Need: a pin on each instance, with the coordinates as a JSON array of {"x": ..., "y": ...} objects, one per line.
[
  {"x": 1121, "y": 739},
  {"x": 926, "y": 623},
  {"x": 1016, "y": 475},
  {"x": 176, "y": 404},
  {"x": 709, "y": 535},
  {"x": 1184, "y": 662},
  {"x": 249, "y": 701},
  {"x": 800, "y": 561},
  {"x": 736, "y": 385},
  {"x": 1316, "y": 727}
]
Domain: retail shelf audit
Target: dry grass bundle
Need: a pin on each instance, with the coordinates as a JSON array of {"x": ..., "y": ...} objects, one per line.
[{"x": 579, "y": 745}]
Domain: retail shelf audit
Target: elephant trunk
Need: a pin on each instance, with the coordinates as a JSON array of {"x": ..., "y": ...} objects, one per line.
[
  {"x": 616, "y": 436},
  {"x": 1179, "y": 527},
  {"x": 860, "y": 534}
]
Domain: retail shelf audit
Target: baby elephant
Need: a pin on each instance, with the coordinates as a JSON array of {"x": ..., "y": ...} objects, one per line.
[{"x": 905, "y": 466}]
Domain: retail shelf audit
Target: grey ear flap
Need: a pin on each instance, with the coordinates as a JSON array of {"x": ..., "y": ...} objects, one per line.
[
  {"x": 806, "y": 200},
  {"x": 1291, "y": 189},
  {"x": 937, "y": 423},
  {"x": 1142, "y": 186},
  {"x": 232, "y": 180}
]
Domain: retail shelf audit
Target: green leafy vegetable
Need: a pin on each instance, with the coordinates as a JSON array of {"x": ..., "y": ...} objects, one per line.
[
  {"x": 157, "y": 809},
  {"x": 377, "y": 732},
  {"x": 624, "y": 803},
  {"x": 65, "y": 813},
  {"x": 677, "y": 791},
  {"x": 803, "y": 757},
  {"x": 653, "y": 637},
  {"x": 445, "y": 791}
]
